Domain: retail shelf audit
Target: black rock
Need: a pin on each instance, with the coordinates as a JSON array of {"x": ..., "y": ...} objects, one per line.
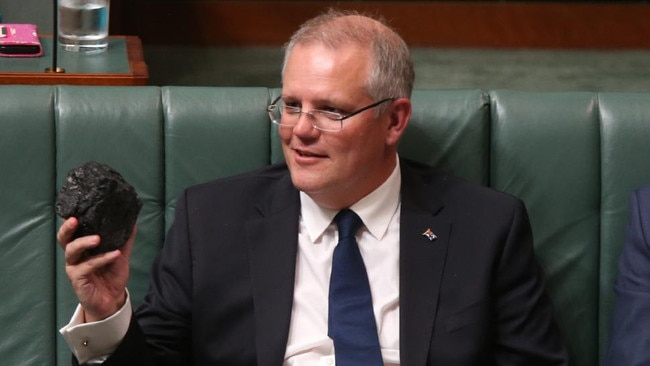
[{"x": 103, "y": 202}]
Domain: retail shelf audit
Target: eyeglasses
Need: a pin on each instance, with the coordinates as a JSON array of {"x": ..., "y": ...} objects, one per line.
[{"x": 288, "y": 116}]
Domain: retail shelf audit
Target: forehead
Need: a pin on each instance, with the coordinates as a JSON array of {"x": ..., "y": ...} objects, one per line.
[{"x": 318, "y": 69}]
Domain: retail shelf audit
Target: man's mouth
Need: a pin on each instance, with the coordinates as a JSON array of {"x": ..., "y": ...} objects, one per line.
[{"x": 308, "y": 154}]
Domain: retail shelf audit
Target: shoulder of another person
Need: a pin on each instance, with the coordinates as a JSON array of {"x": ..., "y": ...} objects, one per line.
[{"x": 643, "y": 194}]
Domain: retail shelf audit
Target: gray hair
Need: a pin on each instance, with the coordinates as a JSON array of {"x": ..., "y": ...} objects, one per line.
[{"x": 391, "y": 71}]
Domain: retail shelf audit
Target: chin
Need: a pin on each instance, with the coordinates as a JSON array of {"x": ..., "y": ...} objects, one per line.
[
  {"x": 307, "y": 182},
  {"x": 304, "y": 185}
]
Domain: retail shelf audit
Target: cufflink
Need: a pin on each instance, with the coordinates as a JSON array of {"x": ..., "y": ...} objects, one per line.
[{"x": 430, "y": 235}]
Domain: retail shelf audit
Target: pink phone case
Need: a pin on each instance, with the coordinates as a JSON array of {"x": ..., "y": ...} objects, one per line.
[{"x": 20, "y": 40}]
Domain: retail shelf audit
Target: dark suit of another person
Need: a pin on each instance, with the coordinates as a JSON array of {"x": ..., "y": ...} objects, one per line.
[
  {"x": 630, "y": 335},
  {"x": 222, "y": 287}
]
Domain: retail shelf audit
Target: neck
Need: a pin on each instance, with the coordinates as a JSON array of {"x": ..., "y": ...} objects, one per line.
[{"x": 349, "y": 195}]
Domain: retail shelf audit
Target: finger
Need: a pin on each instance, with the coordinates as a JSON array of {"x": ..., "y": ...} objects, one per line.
[
  {"x": 81, "y": 273},
  {"x": 75, "y": 250},
  {"x": 66, "y": 231},
  {"x": 97, "y": 262}
]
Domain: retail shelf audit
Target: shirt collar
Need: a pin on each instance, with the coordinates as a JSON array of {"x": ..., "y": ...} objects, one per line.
[{"x": 375, "y": 209}]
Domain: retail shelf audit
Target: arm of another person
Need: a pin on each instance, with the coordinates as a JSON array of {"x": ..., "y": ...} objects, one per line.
[{"x": 630, "y": 335}]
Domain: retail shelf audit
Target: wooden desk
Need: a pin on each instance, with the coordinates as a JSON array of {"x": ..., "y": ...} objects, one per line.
[{"x": 121, "y": 64}]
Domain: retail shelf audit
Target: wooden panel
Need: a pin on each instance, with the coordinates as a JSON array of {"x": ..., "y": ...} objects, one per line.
[
  {"x": 422, "y": 23},
  {"x": 138, "y": 72}
]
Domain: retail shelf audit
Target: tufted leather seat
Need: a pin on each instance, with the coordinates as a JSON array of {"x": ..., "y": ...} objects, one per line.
[{"x": 573, "y": 157}]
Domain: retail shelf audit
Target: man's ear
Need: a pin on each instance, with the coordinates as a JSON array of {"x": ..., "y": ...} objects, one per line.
[{"x": 400, "y": 114}]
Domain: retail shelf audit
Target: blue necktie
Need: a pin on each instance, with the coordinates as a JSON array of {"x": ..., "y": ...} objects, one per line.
[{"x": 351, "y": 321}]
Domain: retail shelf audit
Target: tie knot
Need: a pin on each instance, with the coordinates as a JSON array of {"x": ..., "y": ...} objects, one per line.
[{"x": 348, "y": 223}]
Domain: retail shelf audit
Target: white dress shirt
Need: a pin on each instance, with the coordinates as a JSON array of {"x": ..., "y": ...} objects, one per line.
[
  {"x": 308, "y": 343},
  {"x": 378, "y": 242},
  {"x": 93, "y": 342}
]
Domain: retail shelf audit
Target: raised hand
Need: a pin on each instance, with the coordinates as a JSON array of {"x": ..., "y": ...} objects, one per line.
[{"x": 98, "y": 281}]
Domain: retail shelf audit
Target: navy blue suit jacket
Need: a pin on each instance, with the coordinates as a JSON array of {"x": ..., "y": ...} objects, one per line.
[
  {"x": 629, "y": 343},
  {"x": 222, "y": 288}
]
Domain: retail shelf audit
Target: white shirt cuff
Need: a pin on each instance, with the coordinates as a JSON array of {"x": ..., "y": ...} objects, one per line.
[{"x": 97, "y": 340}]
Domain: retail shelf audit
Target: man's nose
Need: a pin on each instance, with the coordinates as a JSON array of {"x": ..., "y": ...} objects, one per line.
[{"x": 304, "y": 125}]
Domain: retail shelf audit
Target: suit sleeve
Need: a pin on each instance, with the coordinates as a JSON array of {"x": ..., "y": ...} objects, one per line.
[
  {"x": 159, "y": 333},
  {"x": 526, "y": 330},
  {"x": 630, "y": 335}
]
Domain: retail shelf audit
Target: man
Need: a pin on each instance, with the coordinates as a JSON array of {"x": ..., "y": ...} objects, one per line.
[
  {"x": 244, "y": 276},
  {"x": 630, "y": 339}
]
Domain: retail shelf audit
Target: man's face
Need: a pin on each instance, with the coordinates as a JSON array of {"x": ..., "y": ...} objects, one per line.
[{"x": 335, "y": 168}]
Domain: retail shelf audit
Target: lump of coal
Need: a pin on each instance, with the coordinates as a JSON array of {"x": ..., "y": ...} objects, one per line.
[{"x": 103, "y": 202}]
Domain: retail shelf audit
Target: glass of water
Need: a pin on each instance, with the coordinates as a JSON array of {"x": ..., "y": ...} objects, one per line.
[{"x": 83, "y": 25}]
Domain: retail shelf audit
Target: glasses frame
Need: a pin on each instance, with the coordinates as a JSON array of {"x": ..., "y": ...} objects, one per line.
[{"x": 272, "y": 107}]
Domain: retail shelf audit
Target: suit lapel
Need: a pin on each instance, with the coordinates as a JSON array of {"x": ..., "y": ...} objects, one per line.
[
  {"x": 421, "y": 265},
  {"x": 272, "y": 244}
]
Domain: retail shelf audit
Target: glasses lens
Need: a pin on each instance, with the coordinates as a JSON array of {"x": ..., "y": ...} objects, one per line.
[
  {"x": 326, "y": 121},
  {"x": 289, "y": 114},
  {"x": 275, "y": 112},
  {"x": 284, "y": 115}
]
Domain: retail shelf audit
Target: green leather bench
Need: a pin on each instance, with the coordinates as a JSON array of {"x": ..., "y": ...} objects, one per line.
[{"x": 572, "y": 156}]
